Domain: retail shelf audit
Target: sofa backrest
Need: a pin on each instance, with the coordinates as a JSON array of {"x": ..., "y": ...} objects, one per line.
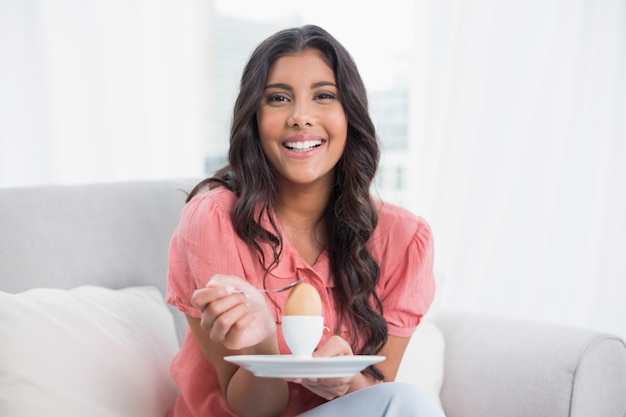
[{"x": 113, "y": 234}]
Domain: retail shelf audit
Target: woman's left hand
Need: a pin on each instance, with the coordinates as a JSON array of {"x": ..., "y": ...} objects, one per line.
[{"x": 330, "y": 388}]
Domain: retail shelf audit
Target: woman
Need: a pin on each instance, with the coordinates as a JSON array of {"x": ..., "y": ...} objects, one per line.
[{"x": 294, "y": 202}]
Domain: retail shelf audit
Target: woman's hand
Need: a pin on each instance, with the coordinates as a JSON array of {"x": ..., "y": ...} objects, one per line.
[
  {"x": 234, "y": 313},
  {"x": 330, "y": 388}
]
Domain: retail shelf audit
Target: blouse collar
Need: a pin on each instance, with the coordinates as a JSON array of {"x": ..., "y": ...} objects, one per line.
[{"x": 291, "y": 264}]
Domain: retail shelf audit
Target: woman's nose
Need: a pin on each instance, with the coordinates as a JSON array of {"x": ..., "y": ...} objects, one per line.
[{"x": 301, "y": 115}]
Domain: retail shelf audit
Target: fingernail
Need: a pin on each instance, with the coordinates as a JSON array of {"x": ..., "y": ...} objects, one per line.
[{"x": 230, "y": 289}]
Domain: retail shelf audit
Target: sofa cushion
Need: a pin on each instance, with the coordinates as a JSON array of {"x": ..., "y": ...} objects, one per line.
[{"x": 89, "y": 351}]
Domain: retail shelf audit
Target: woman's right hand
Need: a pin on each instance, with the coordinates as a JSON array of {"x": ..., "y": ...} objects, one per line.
[{"x": 234, "y": 313}]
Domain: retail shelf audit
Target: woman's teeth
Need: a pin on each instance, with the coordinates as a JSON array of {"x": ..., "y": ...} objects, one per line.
[{"x": 303, "y": 146}]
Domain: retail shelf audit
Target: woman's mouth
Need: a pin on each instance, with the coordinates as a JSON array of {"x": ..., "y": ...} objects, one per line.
[{"x": 302, "y": 146}]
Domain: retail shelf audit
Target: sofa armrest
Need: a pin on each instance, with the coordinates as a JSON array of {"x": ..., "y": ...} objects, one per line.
[{"x": 498, "y": 367}]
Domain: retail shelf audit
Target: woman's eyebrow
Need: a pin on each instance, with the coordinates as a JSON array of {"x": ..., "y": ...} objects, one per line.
[
  {"x": 288, "y": 87},
  {"x": 279, "y": 85},
  {"x": 323, "y": 84}
]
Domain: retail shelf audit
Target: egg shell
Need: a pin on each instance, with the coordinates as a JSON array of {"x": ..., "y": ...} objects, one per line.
[{"x": 303, "y": 300}]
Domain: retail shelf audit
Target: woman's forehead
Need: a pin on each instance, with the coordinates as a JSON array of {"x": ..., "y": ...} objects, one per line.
[{"x": 300, "y": 64}]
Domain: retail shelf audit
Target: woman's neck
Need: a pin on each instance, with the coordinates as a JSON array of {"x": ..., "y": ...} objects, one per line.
[
  {"x": 300, "y": 212},
  {"x": 301, "y": 207},
  {"x": 302, "y": 204}
]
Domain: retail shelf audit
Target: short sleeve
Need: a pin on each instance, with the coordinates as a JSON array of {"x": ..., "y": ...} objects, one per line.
[
  {"x": 203, "y": 244},
  {"x": 410, "y": 287}
]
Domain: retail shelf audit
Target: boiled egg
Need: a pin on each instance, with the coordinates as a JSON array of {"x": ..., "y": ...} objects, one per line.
[{"x": 303, "y": 300}]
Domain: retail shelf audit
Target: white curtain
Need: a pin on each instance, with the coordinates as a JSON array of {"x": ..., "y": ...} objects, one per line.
[
  {"x": 518, "y": 130},
  {"x": 102, "y": 90}
]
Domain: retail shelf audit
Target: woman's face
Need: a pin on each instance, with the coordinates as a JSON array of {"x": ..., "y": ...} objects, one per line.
[{"x": 301, "y": 120}]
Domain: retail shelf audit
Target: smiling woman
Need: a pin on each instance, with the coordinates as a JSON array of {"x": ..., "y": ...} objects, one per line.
[{"x": 294, "y": 200}]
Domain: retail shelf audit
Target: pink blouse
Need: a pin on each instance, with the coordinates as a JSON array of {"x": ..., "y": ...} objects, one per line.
[{"x": 205, "y": 243}]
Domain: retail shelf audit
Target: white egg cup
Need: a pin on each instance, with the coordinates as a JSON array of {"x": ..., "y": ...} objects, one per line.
[{"x": 302, "y": 333}]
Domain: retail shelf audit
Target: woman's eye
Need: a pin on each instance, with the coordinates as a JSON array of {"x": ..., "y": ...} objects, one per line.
[
  {"x": 325, "y": 96},
  {"x": 276, "y": 98}
]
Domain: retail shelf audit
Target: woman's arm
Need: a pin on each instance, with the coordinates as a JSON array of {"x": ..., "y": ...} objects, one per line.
[
  {"x": 234, "y": 324},
  {"x": 393, "y": 351}
]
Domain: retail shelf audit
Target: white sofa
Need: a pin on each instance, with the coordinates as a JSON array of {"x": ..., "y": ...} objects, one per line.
[{"x": 101, "y": 351}]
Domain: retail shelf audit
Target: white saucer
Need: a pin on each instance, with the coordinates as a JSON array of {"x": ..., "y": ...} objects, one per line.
[{"x": 288, "y": 366}]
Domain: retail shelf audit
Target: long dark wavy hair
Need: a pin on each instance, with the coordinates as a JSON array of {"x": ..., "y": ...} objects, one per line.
[{"x": 350, "y": 216}]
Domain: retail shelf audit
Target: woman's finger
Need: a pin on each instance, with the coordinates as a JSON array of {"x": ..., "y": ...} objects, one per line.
[
  {"x": 334, "y": 346},
  {"x": 215, "y": 309},
  {"x": 218, "y": 286},
  {"x": 228, "y": 321},
  {"x": 203, "y": 296},
  {"x": 327, "y": 388}
]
